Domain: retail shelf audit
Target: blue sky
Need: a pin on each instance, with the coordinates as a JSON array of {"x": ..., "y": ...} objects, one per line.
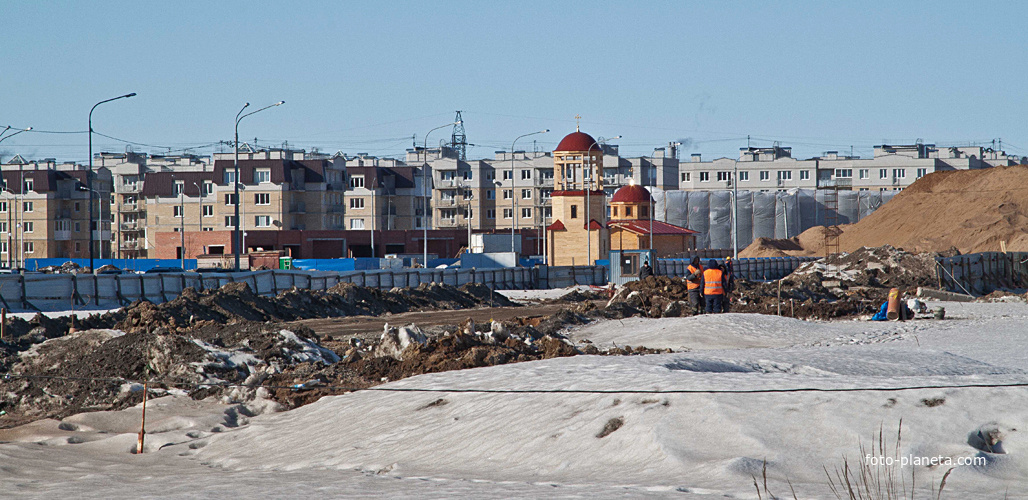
[{"x": 366, "y": 76}]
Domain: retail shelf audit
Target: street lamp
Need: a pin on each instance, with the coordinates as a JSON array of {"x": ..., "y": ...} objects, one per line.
[
  {"x": 426, "y": 195},
  {"x": 2, "y": 136},
  {"x": 735, "y": 212},
  {"x": 588, "y": 177},
  {"x": 89, "y": 174},
  {"x": 237, "y": 239},
  {"x": 513, "y": 191}
]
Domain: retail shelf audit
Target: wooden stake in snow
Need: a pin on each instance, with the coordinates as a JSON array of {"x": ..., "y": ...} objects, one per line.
[
  {"x": 3, "y": 322},
  {"x": 142, "y": 426},
  {"x": 779, "y": 297}
]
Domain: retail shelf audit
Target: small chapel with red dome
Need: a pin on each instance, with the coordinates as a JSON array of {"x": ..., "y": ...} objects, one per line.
[{"x": 581, "y": 232}]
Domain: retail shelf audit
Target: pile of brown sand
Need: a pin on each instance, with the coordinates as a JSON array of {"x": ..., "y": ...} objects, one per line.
[{"x": 970, "y": 210}]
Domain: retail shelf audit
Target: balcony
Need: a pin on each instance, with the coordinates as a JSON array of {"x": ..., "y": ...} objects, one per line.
[
  {"x": 298, "y": 208},
  {"x": 129, "y": 245},
  {"x": 448, "y": 222},
  {"x": 130, "y": 226},
  {"x": 133, "y": 207},
  {"x": 447, "y": 202},
  {"x": 64, "y": 235},
  {"x": 104, "y": 235}
]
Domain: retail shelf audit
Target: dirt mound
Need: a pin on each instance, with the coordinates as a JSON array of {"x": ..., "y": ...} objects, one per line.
[
  {"x": 970, "y": 210},
  {"x": 883, "y": 266}
]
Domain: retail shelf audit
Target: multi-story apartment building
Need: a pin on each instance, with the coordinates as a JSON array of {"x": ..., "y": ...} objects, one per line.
[
  {"x": 44, "y": 211},
  {"x": 380, "y": 194},
  {"x": 892, "y": 168},
  {"x": 279, "y": 190}
]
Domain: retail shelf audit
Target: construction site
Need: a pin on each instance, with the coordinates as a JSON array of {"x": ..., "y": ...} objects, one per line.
[{"x": 274, "y": 351}]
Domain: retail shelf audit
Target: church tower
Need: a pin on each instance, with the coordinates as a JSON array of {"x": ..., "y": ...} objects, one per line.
[{"x": 578, "y": 235}]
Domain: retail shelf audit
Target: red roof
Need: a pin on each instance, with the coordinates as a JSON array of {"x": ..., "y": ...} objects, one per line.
[
  {"x": 631, "y": 194},
  {"x": 578, "y": 141},
  {"x": 643, "y": 227},
  {"x": 595, "y": 225},
  {"x": 556, "y": 226}
]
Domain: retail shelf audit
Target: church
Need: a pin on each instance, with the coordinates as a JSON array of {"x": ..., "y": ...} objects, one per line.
[{"x": 582, "y": 232}]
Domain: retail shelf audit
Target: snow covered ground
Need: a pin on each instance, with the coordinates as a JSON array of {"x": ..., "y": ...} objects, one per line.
[
  {"x": 590, "y": 426},
  {"x": 537, "y": 295}
]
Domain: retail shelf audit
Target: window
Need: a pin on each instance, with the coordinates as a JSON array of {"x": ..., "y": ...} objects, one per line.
[
  {"x": 3, "y": 206},
  {"x": 357, "y": 181},
  {"x": 468, "y": 194},
  {"x": 205, "y": 228},
  {"x": 574, "y": 211},
  {"x": 865, "y": 173},
  {"x": 804, "y": 175},
  {"x": 765, "y": 175},
  {"x": 208, "y": 210},
  {"x": 229, "y": 176},
  {"x": 208, "y": 188},
  {"x": 547, "y": 193},
  {"x": 508, "y": 213},
  {"x": 644, "y": 211},
  {"x": 3, "y": 247},
  {"x": 179, "y": 187},
  {"x": 30, "y": 247},
  {"x": 685, "y": 176},
  {"x": 356, "y": 223},
  {"x": 614, "y": 211},
  {"x": 883, "y": 173},
  {"x": 356, "y": 203},
  {"x": 262, "y": 221},
  {"x": 548, "y": 212},
  {"x": 78, "y": 207},
  {"x": 899, "y": 173},
  {"x": 526, "y": 174},
  {"x": 230, "y": 199},
  {"x": 447, "y": 175},
  {"x": 449, "y": 214},
  {"x": 490, "y": 214},
  {"x": 230, "y": 221},
  {"x": 506, "y": 175},
  {"x": 704, "y": 176},
  {"x": 469, "y": 214},
  {"x": 262, "y": 175},
  {"x": 744, "y": 176},
  {"x": 526, "y": 194},
  {"x": 508, "y": 194},
  {"x": 29, "y": 226},
  {"x": 724, "y": 176},
  {"x": 262, "y": 198},
  {"x": 29, "y": 185},
  {"x": 844, "y": 173},
  {"x": 467, "y": 175},
  {"x": 785, "y": 175},
  {"x": 26, "y": 206},
  {"x": 78, "y": 227},
  {"x": 526, "y": 213},
  {"x": 921, "y": 172},
  {"x": 490, "y": 194},
  {"x": 628, "y": 211},
  {"x": 177, "y": 211},
  {"x": 3, "y": 227}
]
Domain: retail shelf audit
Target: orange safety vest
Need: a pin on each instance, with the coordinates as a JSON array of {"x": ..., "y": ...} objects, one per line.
[
  {"x": 712, "y": 285},
  {"x": 689, "y": 284}
]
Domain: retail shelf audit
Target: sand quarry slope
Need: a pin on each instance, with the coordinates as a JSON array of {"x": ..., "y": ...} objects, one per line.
[{"x": 972, "y": 210}]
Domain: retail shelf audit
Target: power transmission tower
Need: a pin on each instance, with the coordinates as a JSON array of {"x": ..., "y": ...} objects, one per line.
[{"x": 459, "y": 141}]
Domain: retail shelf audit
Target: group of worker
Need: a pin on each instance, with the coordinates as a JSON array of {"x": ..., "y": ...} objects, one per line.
[
  {"x": 707, "y": 287},
  {"x": 715, "y": 281}
]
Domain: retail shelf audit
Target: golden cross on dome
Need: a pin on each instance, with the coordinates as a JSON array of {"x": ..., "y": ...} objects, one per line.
[{"x": 577, "y": 118}]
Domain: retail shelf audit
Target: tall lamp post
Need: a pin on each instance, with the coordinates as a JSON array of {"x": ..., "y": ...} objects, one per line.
[
  {"x": 588, "y": 187},
  {"x": 514, "y": 191},
  {"x": 426, "y": 194},
  {"x": 735, "y": 212},
  {"x": 89, "y": 175},
  {"x": 237, "y": 239}
]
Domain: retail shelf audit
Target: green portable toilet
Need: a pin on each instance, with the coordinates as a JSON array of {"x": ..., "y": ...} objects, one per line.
[{"x": 285, "y": 262}]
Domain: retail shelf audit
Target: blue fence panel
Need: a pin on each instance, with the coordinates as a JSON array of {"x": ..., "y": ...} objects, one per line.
[{"x": 129, "y": 264}]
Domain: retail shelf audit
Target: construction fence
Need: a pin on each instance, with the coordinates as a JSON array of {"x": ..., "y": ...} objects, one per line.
[
  {"x": 982, "y": 273},
  {"x": 60, "y": 292},
  {"x": 772, "y": 214},
  {"x": 761, "y": 269}
]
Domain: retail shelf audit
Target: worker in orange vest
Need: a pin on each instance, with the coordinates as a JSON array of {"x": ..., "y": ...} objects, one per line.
[
  {"x": 713, "y": 287},
  {"x": 694, "y": 284}
]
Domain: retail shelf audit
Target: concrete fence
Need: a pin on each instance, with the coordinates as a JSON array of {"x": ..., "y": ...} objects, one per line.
[
  {"x": 57, "y": 292},
  {"x": 762, "y": 269},
  {"x": 981, "y": 273}
]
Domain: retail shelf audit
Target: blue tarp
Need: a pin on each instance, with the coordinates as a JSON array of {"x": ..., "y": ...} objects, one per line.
[{"x": 130, "y": 264}]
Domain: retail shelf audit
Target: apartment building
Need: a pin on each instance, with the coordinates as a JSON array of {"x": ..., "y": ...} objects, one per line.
[
  {"x": 278, "y": 190},
  {"x": 892, "y": 168},
  {"x": 44, "y": 211},
  {"x": 380, "y": 194}
]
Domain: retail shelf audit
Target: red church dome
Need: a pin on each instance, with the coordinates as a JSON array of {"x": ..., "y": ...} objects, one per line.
[
  {"x": 631, "y": 194},
  {"x": 578, "y": 141}
]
